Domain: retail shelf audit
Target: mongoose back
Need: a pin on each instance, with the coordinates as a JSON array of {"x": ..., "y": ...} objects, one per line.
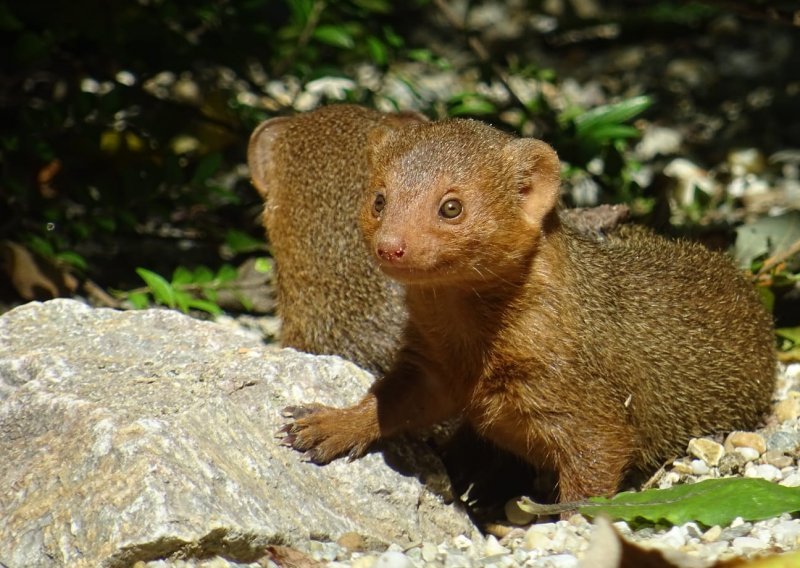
[
  {"x": 583, "y": 356},
  {"x": 311, "y": 170}
]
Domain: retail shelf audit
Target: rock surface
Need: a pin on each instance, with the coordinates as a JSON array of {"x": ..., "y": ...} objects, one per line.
[{"x": 147, "y": 435}]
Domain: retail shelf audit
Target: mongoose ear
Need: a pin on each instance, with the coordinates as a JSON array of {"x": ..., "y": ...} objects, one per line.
[
  {"x": 537, "y": 172},
  {"x": 261, "y": 151}
]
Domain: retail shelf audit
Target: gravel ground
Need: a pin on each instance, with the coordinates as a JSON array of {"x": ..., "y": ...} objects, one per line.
[{"x": 770, "y": 453}]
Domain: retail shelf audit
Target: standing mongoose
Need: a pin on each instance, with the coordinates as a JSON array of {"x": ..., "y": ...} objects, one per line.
[
  {"x": 311, "y": 170},
  {"x": 583, "y": 356}
]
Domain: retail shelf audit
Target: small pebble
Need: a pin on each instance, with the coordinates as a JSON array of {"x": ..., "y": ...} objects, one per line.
[
  {"x": 712, "y": 534},
  {"x": 778, "y": 459},
  {"x": 682, "y": 467},
  {"x": 673, "y": 538},
  {"x": 789, "y": 409},
  {"x": 745, "y": 440},
  {"x": 791, "y": 480},
  {"x": 492, "y": 547},
  {"x": 749, "y": 454},
  {"x": 461, "y": 542},
  {"x": 562, "y": 561},
  {"x": 763, "y": 471},
  {"x": 429, "y": 552},
  {"x": 707, "y": 450},
  {"x": 368, "y": 561},
  {"x": 747, "y": 544},
  {"x": 783, "y": 441},
  {"x": 787, "y": 533},
  {"x": 699, "y": 467}
]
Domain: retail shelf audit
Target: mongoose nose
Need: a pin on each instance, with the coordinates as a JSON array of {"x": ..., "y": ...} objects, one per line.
[{"x": 391, "y": 250}]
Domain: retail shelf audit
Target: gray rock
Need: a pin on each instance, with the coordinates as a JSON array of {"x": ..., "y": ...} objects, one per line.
[{"x": 147, "y": 436}]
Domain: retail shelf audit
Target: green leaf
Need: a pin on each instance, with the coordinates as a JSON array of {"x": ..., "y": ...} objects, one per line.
[
  {"x": 377, "y": 51},
  {"x": 139, "y": 300},
  {"x": 470, "y": 103},
  {"x": 605, "y": 132},
  {"x": 790, "y": 333},
  {"x": 240, "y": 242},
  {"x": 182, "y": 300},
  {"x": 767, "y": 297},
  {"x": 182, "y": 275},
  {"x": 616, "y": 113},
  {"x": 246, "y": 302},
  {"x": 335, "y": 36},
  {"x": 263, "y": 265},
  {"x": 207, "y": 167},
  {"x": 226, "y": 273},
  {"x": 162, "y": 291},
  {"x": 710, "y": 502},
  {"x": 73, "y": 259},
  {"x": 206, "y": 306},
  {"x": 202, "y": 275}
]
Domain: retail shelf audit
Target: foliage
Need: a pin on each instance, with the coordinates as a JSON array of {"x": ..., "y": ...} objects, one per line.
[
  {"x": 131, "y": 122},
  {"x": 710, "y": 502}
]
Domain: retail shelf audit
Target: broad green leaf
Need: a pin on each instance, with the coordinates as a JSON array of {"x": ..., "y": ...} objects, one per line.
[
  {"x": 207, "y": 167},
  {"x": 335, "y": 36},
  {"x": 182, "y": 300},
  {"x": 205, "y": 305},
  {"x": 73, "y": 259},
  {"x": 202, "y": 275},
  {"x": 240, "y": 242},
  {"x": 604, "y": 132},
  {"x": 767, "y": 297},
  {"x": 616, "y": 113},
  {"x": 246, "y": 302},
  {"x": 377, "y": 51},
  {"x": 182, "y": 275},
  {"x": 139, "y": 300},
  {"x": 710, "y": 502},
  {"x": 471, "y": 104},
  {"x": 162, "y": 291},
  {"x": 263, "y": 265},
  {"x": 226, "y": 273},
  {"x": 790, "y": 333}
]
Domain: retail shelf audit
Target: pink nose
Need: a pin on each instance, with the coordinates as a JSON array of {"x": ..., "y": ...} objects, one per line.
[{"x": 391, "y": 249}]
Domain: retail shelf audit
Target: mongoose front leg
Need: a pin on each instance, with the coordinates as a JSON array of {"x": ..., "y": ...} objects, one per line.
[{"x": 406, "y": 399}]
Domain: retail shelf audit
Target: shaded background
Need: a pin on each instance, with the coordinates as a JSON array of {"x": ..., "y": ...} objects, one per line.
[{"x": 124, "y": 125}]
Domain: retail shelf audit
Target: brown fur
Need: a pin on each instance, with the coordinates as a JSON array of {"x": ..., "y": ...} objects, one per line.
[
  {"x": 311, "y": 171},
  {"x": 588, "y": 357}
]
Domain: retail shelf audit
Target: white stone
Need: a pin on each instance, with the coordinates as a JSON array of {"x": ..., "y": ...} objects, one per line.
[
  {"x": 791, "y": 480},
  {"x": 763, "y": 471},
  {"x": 699, "y": 467},
  {"x": 749, "y": 454},
  {"x": 747, "y": 544},
  {"x": 492, "y": 547}
]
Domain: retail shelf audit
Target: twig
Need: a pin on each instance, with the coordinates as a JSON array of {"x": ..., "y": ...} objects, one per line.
[{"x": 778, "y": 258}]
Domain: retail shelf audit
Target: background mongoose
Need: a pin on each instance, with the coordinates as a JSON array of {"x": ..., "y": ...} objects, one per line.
[
  {"x": 311, "y": 170},
  {"x": 587, "y": 357}
]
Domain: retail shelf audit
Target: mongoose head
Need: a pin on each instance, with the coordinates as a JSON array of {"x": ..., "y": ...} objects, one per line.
[{"x": 456, "y": 202}]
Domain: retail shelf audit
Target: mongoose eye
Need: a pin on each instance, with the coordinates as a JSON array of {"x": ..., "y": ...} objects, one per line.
[
  {"x": 378, "y": 204},
  {"x": 451, "y": 209}
]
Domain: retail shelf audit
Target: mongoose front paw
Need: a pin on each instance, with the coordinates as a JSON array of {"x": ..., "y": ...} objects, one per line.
[{"x": 323, "y": 433}]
